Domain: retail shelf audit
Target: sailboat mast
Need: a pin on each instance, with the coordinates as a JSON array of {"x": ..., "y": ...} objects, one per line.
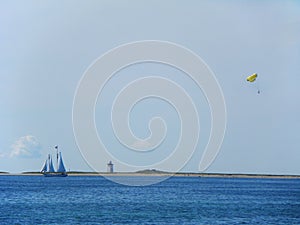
[{"x": 56, "y": 147}]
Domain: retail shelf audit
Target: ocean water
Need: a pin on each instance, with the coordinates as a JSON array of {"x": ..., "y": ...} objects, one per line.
[{"x": 178, "y": 200}]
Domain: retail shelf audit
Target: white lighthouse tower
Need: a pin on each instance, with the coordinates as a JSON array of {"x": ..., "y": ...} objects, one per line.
[{"x": 110, "y": 167}]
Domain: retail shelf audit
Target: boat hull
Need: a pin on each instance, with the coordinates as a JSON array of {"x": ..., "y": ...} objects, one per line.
[{"x": 55, "y": 174}]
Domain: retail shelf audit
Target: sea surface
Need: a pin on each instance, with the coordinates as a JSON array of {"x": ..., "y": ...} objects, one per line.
[{"x": 178, "y": 200}]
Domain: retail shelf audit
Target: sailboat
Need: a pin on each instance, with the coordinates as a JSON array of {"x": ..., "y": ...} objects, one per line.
[{"x": 48, "y": 168}]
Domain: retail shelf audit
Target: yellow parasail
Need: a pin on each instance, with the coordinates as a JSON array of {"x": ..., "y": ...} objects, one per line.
[{"x": 252, "y": 77}]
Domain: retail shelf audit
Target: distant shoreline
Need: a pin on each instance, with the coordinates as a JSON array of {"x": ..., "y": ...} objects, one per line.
[
  {"x": 159, "y": 173},
  {"x": 4, "y": 173}
]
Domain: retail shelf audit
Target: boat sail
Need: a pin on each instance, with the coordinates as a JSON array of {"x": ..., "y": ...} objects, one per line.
[
  {"x": 60, "y": 165},
  {"x": 48, "y": 168}
]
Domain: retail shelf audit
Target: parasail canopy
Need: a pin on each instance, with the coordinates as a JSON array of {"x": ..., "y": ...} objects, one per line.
[{"x": 252, "y": 77}]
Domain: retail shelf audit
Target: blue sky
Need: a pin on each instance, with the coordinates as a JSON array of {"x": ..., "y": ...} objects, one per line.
[{"x": 46, "y": 46}]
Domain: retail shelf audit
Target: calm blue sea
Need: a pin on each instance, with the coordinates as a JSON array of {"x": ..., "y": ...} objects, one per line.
[{"x": 178, "y": 200}]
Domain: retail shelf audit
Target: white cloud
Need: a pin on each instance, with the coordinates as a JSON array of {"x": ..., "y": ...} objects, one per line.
[
  {"x": 26, "y": 147},
  {"x": 141, "y": 144}
]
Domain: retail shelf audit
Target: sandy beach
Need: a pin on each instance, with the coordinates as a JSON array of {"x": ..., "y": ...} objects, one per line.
[{"x": 147, "y": 173}]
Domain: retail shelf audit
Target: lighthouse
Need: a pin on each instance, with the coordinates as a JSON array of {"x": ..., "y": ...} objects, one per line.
[{"x": 110, "y": 167}]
